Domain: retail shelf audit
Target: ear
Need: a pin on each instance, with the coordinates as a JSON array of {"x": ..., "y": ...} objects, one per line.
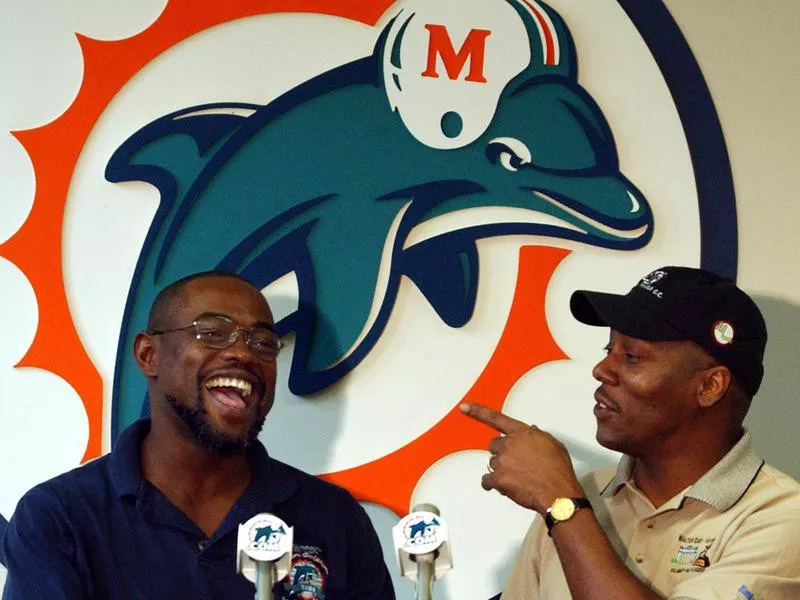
[
  {"x": 144, "y": 352},
  {"x": 714, "y": 385}
]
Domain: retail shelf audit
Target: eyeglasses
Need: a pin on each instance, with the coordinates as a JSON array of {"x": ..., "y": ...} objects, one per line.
[{"x": 217, "y": 331}]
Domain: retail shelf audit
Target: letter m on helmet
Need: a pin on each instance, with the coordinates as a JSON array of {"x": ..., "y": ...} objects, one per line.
[{"x": 473, "y": 49}]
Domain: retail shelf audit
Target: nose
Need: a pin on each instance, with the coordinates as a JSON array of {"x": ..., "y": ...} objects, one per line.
[
  {"x": 240, "y": 347},
  {"x": 605, "y": 371}
]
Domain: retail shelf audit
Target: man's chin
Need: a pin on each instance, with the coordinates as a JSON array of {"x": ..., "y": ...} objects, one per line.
[{"x": 211, "y": 437}]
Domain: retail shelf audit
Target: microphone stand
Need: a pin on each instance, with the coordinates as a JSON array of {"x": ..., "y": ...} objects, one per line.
[
  {"x": 423, "y": 549},
  {"x": 265, "y": 580},
  {"x": 425, "y": 576},
  {"x": 264, "y": 552}
]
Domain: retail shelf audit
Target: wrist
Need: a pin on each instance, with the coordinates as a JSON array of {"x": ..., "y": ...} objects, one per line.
[{"x": 563, "y": 509}]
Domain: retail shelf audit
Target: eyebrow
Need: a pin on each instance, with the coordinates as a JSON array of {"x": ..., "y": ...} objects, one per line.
[{"x": 264, "y": 324}]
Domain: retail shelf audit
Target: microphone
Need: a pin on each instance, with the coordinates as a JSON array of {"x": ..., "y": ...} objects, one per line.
[
  {"x": 422, "y": 544},
  {"x": 264, "y": 552}
]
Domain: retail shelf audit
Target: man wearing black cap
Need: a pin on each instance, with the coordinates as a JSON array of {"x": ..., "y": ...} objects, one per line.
[{"x": 690, "y": 512}]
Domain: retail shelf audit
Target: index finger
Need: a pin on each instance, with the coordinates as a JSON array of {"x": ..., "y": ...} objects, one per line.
[{"x": 493, "y": 418}]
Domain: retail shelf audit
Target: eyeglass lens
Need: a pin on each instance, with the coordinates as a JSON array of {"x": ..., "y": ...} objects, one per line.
[{"x": 216, "y": 332}]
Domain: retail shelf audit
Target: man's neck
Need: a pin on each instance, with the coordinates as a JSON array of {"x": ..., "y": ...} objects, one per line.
[
  {"x": 202, "y": 484},
  {"x": 663, "y": 475}
]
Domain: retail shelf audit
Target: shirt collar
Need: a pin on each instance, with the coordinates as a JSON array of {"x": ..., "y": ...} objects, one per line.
[
  {"x": 125, "y": 462},
  {"x": 272, "y": 482},
  {"x": 720, "y": 487}
]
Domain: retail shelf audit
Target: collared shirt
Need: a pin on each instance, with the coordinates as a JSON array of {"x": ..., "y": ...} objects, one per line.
[
  {"x": 732, "y": 535},
  {"x": 104, "y": 532}
]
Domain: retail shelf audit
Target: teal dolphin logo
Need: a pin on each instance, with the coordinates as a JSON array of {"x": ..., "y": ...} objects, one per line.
[
  {"x": 323, "y": 180},
  {"x": 264, "y": 534},
  {"x": 421, "y": 527}
]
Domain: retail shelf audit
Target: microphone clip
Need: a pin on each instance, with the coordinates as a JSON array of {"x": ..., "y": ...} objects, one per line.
[
  {"x": 422, "y": 536},
  {"x": 264, "y": 540}
]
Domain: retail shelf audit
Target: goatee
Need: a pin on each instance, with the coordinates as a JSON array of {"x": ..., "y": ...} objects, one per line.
[{"x": 197, "y": 424}]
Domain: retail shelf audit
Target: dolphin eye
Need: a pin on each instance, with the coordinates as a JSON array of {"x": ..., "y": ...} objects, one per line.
[{"x": 511, "y": 152}]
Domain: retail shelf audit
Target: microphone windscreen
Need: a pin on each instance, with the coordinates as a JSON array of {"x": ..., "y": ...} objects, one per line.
[{"x": 427, "y": 507}]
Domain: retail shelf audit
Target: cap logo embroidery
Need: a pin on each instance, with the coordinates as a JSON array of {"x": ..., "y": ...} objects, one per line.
[
  {"x": 651, "y": 278},
  {"x": 723, "y": 332},
  {"x": 648, "y": 280}
]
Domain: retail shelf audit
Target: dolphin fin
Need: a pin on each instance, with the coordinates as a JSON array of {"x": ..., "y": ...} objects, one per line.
[{"x": 445, "y": 269}]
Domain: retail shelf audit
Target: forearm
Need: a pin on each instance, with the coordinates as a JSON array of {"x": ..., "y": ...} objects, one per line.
[{"x": 591, "y": 564}]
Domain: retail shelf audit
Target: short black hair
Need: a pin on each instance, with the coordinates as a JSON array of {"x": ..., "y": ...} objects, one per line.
[{"x": 166, "y": 301}]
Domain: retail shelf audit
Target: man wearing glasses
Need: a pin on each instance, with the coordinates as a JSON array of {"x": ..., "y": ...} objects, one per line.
[{"x": 158, "y": 517}]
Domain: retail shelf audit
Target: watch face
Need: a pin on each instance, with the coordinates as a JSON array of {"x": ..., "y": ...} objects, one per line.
[{"x": 562, "y": 509}]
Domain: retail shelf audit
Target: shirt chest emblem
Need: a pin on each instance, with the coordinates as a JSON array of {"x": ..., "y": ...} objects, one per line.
[
  {"x": 691, "y": 554},
  {"x": 308, "y": 575}
]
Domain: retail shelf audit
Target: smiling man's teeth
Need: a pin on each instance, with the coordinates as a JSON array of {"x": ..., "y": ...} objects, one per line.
[{"x": 231, "y": 382}]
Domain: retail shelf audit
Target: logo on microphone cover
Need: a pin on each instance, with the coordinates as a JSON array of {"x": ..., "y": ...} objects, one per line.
[
  {"x": 265, "y": 535},
  {"x": 422, "y": 532}
]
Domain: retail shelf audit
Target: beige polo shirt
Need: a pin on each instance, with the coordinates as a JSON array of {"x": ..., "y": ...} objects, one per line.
[{"x": 733, "y": 535}]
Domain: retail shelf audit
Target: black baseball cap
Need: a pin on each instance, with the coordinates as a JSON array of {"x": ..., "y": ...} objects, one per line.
[{"x": 683, "y": 303}]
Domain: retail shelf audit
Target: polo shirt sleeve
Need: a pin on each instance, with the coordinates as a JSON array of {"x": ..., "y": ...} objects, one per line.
[
  {"x": 761, "y": 561},
  {"x": 368, "y": 578},
  {"x": 40, "y": 551},
  {"x": 523, "y": 583}
]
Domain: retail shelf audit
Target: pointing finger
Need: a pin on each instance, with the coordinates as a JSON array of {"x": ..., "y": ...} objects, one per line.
[{"x": 494, "y": 419}]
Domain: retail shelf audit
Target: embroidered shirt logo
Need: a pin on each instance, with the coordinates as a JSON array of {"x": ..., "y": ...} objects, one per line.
[
  {"x": 306, "y": 580},
  {"x": 745, "y": 594},
  {"x": 691, "y": 555}
]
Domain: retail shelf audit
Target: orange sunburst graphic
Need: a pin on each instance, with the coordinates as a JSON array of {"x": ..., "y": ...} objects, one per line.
[
  {"x": 37, "y": 247},
  {"x": 525, "y": 343},
  {"x": 37, "y": 250}
]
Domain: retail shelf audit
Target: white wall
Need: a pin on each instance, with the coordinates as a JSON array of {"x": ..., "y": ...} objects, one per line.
[{"x": 748, "y": 52}]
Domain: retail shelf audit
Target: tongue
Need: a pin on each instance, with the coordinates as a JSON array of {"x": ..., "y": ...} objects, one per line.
[{"x": 228, "y": 397}]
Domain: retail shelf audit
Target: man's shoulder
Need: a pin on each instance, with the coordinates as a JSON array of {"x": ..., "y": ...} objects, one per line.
[
  {"x": 79, "y": 486},
  {"x": 311, "y": 484},
  {"x": 775, "y": 487}
]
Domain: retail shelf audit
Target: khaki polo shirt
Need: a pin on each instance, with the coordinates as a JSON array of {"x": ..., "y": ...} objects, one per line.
[{"x": 733, "y": 535}]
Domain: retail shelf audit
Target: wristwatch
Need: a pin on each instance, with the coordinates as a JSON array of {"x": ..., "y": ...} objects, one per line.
[{"x": 562, "y": 509}]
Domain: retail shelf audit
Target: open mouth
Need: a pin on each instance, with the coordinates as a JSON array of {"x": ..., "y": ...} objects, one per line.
[
  {"x": 590, "y": 224},
  {"x": 602, "y": 407},
  {"x": 234, "y": 393},
  {"x": 565, "y": 221}
]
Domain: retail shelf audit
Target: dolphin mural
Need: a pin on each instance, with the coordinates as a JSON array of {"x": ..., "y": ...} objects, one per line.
[{"x": 333, "y": 175}]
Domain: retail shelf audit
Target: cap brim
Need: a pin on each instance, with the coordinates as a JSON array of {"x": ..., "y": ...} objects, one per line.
[{"x": 623, "y": 314}]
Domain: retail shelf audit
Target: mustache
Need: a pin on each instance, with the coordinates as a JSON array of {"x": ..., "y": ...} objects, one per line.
[{"x": 600, "y": 395}]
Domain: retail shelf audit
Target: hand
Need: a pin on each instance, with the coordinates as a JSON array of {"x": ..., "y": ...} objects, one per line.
[{"x": 528, "y": 465}]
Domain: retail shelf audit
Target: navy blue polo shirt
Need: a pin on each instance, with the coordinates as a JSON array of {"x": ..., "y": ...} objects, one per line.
[{"x": 103, "y": 532}]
